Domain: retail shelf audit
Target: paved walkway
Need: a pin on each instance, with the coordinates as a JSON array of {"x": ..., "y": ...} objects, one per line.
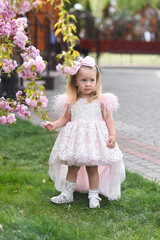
[{"x": 137, "y": 120}]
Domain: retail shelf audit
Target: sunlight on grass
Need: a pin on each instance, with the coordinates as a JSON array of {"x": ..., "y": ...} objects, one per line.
[
  {"x": 128, "y": 59},
  {"x": 26, "y": 210}
]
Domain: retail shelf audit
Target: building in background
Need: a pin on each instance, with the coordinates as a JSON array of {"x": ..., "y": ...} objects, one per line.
[{"x": 40, "y": 23}]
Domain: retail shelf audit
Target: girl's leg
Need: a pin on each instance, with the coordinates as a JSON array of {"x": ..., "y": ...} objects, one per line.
[
  {"x": 93, "y": 177},
  {"x": 66, "y": 195},
  {"x": 72, "y": 173},
  {"x": 93, "y": 185}
]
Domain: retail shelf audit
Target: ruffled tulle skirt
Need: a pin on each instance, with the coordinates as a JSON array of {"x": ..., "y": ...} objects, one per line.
[{"x": 85, "y": 144}]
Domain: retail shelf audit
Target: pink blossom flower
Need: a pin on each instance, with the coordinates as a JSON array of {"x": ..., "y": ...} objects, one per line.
[
  {"x": 31, "y": 52},
  {"x": 32, "y": 66},
  {"x": 3, "y": 120},
  {"x": 28, "y": 101},
  {"x": 9, "y": 65},
  {"x": 39, "y": 64},
  {"x": 22, "y": 22},
  {"x": 27, "y": 114},
  {"x": 24, "y": 7},
  {"x": 20, "y": 38},
  {"x": 44, "y": 101},
  {"x": 20, "y": 115},
  {"x": 11, "y": 109},
  {"x": 9, "y": 11},
  {"x": 26, "y": 74},
  {"x": 31, "y": 103},
  {"x": 11, "y": 118},
  {"x": 2, "y": 25},
  {"x": 6, "y": 29},
  {"x": 2, "y": 6},
  {"x": 13, "y": 27},
  {"x": 36, "y": 101},
  {"x": 23, "y": 108},
  {"x": 67, "y": 69},
  {"x": 73, "y": 70},
  {"x": 63, "y": 70},
  {"x": 59, "y": 67},
  {"x": 18, "y": 94},
  {"x": 3, "y": 104},
  {"x": 22, "y": 111},
  {"x": 18, "y": 106}
]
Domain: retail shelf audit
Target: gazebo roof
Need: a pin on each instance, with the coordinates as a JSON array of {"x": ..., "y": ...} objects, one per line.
[{"x": 142, "y": 10}]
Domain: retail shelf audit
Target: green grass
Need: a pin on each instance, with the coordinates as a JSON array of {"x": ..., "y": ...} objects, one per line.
[
  {"x": 127, "y": 59},
  {"x": 27, "y": 213}
]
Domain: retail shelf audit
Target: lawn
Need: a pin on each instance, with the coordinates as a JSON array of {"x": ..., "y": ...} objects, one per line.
[
  {"x": 25, "y": 191},
  {"x": 110, "y": 59}
]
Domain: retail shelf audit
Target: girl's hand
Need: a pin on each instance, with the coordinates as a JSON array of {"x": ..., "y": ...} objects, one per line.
[
  {"x": 50, "y": 126},
  {"x": 111, "y": 141}
]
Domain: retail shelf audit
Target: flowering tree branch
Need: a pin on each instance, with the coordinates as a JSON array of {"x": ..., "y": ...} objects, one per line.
[
  {"x": 13, "y": 35},
  {"x": 66, "y": 27}
]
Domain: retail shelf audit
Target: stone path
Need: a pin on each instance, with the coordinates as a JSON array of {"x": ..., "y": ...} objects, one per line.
[
  {"x": 138, "y": 119},
  {"x": 140, "y": 157}
]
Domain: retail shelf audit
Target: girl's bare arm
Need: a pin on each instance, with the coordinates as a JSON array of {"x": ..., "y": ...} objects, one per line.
[
  {"x": 107, "y": 116},
  {"x": 61, "y": 122}
]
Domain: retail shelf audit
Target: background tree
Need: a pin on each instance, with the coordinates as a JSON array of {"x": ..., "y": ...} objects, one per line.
[
  {"x": 132, "y": 6},
  {"x": 88, "y": 6},
  {"x": 124, "y": 5}
]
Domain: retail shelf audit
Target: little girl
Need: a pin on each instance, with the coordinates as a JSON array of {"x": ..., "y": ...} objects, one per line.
[{"x": 86, "y": 157}]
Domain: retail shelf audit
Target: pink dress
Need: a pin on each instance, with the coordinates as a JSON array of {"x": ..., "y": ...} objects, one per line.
[{"x": 83, "y": 142}]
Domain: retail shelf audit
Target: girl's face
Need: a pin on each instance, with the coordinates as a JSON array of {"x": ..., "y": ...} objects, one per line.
[{"x": 86, "y": 81}]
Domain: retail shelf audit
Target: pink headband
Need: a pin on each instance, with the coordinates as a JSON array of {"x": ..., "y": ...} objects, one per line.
[{"x": 87, "y": 61}]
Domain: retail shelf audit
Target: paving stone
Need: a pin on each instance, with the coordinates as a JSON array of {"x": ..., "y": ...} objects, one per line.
[{"x": 153, "y": 175}]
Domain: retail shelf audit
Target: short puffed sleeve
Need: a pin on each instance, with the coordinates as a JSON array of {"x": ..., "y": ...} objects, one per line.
[
  {"x": 109, "y": 100},
  {"x": 60, "y": 103}
]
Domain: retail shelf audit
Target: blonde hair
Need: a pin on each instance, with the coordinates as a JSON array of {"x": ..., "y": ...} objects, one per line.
[{"x": 72, "y": 90}]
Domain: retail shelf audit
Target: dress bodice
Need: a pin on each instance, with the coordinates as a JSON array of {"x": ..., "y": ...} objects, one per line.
[{"x": 83, "y": 110}]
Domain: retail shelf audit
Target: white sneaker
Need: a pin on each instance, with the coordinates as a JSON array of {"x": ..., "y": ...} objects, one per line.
[
  {"x": 94, "y": 202},
  {"x": 62, "y": 198}
]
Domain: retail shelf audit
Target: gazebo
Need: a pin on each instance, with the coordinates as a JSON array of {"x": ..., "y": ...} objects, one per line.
[{"x": 146, "y": 20}]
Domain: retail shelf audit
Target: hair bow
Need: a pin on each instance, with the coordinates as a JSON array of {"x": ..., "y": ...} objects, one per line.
[{"x": 87, "y": 61}]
